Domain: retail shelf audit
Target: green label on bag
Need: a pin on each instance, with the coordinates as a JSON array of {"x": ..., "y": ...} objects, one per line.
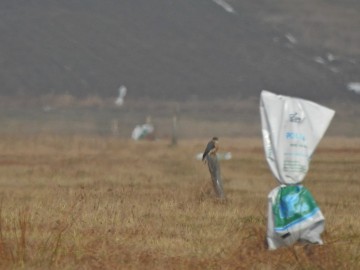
[{"x": 293, "y": 204}]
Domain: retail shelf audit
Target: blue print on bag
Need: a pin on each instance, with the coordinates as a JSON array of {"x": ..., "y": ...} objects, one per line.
[
  {"x": 294, "y": 136},
  {"x": 290, "y": 205},
  {"x": 293, "y": 204}
]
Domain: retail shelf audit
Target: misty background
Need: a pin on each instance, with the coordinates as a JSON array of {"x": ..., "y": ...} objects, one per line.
[{"x": 62, "y": 63}]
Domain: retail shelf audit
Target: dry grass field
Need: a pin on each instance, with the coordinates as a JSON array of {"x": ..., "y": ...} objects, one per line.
[{"x": 71, "y": 202}]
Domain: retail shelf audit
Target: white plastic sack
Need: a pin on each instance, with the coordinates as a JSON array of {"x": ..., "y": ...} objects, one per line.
[
  {"x": 293, "y": 215},
  {"x": 142, "y": 131},
  {"x": 291, "y": 128}
]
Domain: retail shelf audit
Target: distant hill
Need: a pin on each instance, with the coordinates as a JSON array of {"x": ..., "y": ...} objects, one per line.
[{"x": 180, "y": 49}]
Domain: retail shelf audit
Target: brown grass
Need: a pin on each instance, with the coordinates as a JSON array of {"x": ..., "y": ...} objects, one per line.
[{"x": 71, "y": 202}]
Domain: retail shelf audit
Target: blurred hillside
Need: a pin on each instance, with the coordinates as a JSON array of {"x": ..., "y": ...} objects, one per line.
[{"x": 180, "y": 50}]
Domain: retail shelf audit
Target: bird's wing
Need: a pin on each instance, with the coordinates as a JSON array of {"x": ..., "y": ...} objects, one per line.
[{"x": 209, "y": 146}]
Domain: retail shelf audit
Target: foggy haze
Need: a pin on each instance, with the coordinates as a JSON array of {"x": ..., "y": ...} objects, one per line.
[{"x": 180, "y": 49}]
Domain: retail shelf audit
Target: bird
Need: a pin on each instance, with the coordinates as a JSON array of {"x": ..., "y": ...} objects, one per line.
[
  {"x": 122, "y": 93},
  {"x": 211, "y": 148}
]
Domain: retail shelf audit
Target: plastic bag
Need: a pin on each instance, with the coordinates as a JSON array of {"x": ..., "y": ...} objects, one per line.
[
  {"x": 291, "y": 129},
  {"x": 144, "y": 131},
  {"x": 293, "y": 216}
]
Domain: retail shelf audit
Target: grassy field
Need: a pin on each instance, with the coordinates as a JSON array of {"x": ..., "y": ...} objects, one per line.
[{"x": 92, "y": 202}]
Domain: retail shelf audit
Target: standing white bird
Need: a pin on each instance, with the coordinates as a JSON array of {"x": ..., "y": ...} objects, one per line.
[{"x": 122, "y": 93}]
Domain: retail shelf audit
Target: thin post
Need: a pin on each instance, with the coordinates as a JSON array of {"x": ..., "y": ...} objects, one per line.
[
  {"x": 115, "y": 127},
  {"x": 175, "y": 119},
  {"x": 214, "y": 169},
  {"x": 174, "y": 131}
]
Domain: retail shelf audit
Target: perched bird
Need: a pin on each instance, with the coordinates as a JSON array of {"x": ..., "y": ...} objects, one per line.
[{"x": 211, "y": 147}]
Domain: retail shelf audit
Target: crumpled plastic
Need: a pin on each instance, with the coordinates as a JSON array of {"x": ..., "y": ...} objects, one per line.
[{"x": 292, "y": 129}]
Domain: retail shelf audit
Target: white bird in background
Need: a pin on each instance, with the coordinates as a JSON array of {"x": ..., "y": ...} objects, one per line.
[
  {"x": 122, "y": 93},
  {"x": 354, "y": 86},
  {"x": 291, "y": 38},
  {"x": 225, "y": 6}
]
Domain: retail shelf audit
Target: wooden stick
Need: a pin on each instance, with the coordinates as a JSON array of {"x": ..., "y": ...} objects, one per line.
[{"x": 214, "y": 169}]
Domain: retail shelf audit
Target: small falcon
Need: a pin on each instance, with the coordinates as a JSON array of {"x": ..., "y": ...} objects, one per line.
[{"x": 211, "y": 147}]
